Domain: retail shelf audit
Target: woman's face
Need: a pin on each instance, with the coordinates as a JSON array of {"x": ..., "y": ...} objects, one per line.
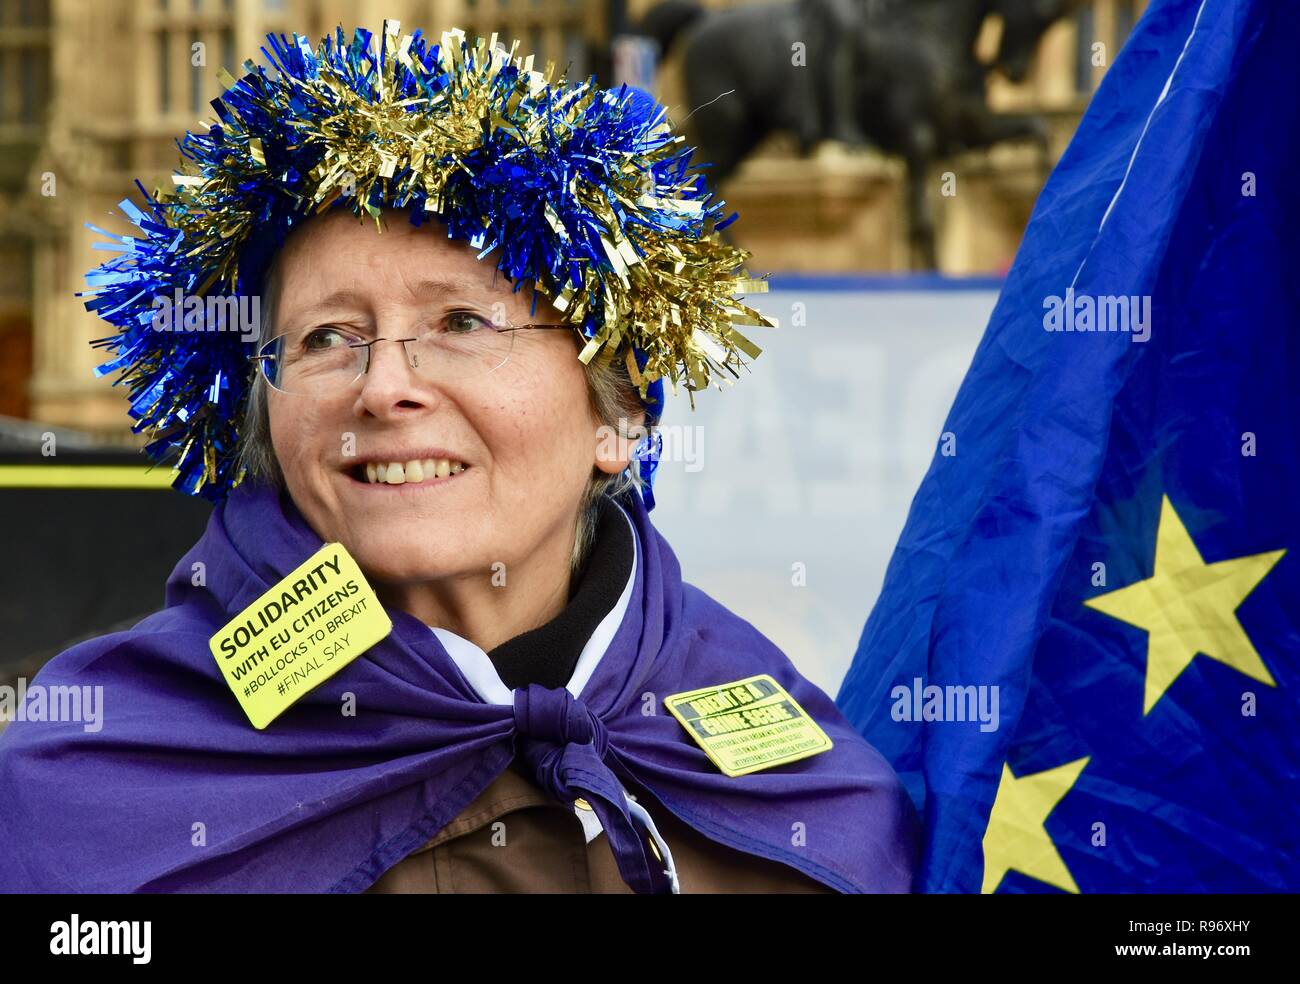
[{"x": 520, "y": 441}]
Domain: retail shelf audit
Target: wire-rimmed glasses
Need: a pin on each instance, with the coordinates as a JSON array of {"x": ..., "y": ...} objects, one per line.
[{"x": 325, "y": 359}]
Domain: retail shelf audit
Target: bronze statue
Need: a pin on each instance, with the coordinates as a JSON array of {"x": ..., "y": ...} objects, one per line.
[
  {"x": 905, "y": 71},
  {"x": 824, "y": 95}
]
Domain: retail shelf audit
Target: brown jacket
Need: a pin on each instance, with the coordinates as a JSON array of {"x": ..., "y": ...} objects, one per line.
[{"x": 539, "y": 846}]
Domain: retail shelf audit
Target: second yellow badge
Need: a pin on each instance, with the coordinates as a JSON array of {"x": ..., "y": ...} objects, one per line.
[{"x": 748, "y": 725}]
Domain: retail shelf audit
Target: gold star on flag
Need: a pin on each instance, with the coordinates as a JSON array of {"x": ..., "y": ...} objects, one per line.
[
  {"x": 1188, "y": 607},
  {"x": 1016, "y": 836}
]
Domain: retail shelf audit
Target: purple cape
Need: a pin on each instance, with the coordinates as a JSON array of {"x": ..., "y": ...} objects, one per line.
[{"x": 322, "y": 802}]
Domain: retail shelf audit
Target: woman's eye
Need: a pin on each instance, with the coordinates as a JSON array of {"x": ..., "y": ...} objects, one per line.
[
  {"x": 464, "y": 322},
  {"x": 322, "y": 338}
]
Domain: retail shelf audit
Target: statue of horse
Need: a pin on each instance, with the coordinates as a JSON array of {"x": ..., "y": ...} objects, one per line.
[{"x": 900, "y": 73}]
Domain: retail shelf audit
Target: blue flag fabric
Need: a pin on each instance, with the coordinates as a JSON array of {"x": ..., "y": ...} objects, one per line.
[{"x": 1106, "y": 548}]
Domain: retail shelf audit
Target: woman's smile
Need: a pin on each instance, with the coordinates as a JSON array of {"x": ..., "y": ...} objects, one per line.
[
  {"x": 412, "y": 474},
  {"x": 411, "y": 467}
]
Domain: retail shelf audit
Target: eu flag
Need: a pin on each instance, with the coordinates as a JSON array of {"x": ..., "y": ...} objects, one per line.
[{"x": 1085, "y": 660}]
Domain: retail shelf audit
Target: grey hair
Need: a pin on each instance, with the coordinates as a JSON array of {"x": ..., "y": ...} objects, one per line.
[{"x": 610, "y": 390}]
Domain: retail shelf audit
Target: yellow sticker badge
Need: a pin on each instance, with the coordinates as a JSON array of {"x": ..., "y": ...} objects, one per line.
[
  {"x": 748, "y": 725},
  {"x": 299, "y": 634}
]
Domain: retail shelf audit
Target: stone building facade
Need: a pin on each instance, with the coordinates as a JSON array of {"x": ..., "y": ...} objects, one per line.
[{"x": 93, "y": 94}]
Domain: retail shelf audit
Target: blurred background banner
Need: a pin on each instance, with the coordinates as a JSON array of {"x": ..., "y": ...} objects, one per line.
[
  {"x": 1085, "y": 661},
  {"x": 784, "y": 499},
  {"x": 884, "y": 156}
]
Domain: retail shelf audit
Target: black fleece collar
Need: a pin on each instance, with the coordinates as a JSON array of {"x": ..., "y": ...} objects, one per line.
[{"x": 549, "y": 653}]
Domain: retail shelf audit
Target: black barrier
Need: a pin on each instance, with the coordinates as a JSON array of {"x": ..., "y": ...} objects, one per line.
[{"x": 79, "y": 559}]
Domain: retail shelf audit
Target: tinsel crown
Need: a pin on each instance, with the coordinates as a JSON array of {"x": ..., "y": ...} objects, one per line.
[{"x": 584, "y": 192}]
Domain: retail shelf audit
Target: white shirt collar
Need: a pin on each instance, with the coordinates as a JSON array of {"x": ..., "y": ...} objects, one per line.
[{"x": 477, "y": 668}]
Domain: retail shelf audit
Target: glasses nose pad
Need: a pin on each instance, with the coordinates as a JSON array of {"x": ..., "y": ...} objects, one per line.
[{"x": 412, "y": 354}]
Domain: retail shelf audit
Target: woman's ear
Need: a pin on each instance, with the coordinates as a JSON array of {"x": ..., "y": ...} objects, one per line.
[{"x": 615, "y": 445}]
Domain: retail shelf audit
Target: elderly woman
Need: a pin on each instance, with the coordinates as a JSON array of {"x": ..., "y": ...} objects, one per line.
[{"x": 430, "y": 640}]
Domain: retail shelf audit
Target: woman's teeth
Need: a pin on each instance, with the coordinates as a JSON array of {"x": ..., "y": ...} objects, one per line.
[{"x": 417, "y": 470}]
